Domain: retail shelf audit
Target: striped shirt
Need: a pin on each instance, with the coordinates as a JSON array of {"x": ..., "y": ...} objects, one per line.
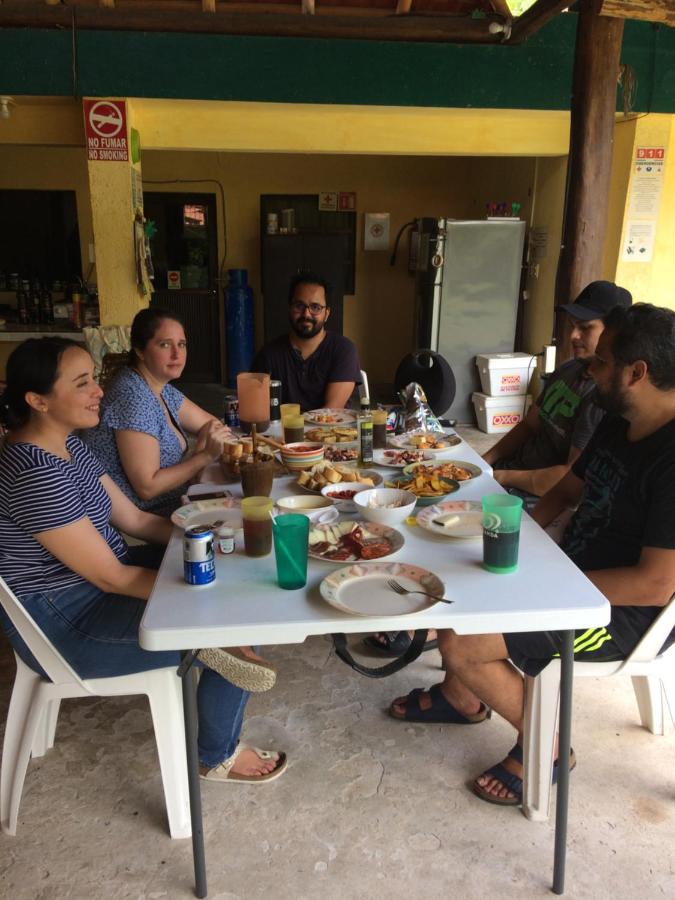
[{"x": 40, "y": 492}]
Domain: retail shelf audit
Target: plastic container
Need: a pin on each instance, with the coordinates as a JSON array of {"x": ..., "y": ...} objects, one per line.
[
  {"x": 497, "y": 414},
  {"x": 502, "y": 374},
  {"x": 238, "y": 324}
]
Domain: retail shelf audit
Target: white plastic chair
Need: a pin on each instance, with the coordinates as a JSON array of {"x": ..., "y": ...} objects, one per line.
[
  {"x": 34, "y": 709},
  {"x": 654, "y": 685}
]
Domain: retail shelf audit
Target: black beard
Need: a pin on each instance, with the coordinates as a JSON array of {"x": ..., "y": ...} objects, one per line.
[
  {"x": 306, "y": 329},
  {"x": 612, "y": 401}
]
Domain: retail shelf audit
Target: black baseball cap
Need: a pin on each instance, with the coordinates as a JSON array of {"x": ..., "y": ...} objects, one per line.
[{"x": 597, "y": 300}]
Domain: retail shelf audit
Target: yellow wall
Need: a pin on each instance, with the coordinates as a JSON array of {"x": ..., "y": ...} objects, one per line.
[
  {"x": 315, "y": 128},
  {"x": 51, "y": 169},
  {"x": 547, "y": 214},
  {"x": 653, "y": 282},
  {"x": 408, "y": 162},
  {"x": 379, "y": 316}
]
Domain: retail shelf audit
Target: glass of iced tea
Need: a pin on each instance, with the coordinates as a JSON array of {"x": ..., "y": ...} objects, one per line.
[
  {"x": 257, "y": 515},
  {"x": 294, "y": 429},
  {"x": 379, "y": 429}
]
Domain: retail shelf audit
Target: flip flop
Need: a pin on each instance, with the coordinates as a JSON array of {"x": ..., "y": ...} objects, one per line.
[
  {"x": 254, "y": 675},
  {"x": 512, "y": 782},
  {"x": 440, "y": 710},
  {"x": 394, "y": 643},
  {"x": 223, "y": 771}
]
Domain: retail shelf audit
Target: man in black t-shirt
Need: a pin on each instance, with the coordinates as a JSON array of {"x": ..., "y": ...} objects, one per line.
[
  {"x": 540, "y": 450},
  {"x": 317, "y": 368},
  {"x": 622, "y": 536}
]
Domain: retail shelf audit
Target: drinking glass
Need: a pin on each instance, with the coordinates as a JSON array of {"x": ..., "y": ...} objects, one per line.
[
  {"x": 256, "y": 513},
  {"x": 294, "y": 428},
  {"x": 379, "y": 429},
  {"x": 291, "y": 543},
  {"x": 501, "y": 532}
]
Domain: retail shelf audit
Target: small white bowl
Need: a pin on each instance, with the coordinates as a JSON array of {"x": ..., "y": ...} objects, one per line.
[
  {"x": 345, "y": 506},
  {"x": 316, "y": 508},
  {"x": 382, "y": 513}
]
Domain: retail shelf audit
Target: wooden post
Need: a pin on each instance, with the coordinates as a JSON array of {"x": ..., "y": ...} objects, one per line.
[{"x": 596, "y": 67}]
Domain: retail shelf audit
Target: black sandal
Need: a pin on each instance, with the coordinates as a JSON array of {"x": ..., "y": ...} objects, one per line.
[
  {"x": 394, "y": 643},
  {"x": 440, "y": 711}
]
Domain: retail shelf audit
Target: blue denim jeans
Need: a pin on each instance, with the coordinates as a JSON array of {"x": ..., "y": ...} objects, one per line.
[{"x": 97, "y": 634}]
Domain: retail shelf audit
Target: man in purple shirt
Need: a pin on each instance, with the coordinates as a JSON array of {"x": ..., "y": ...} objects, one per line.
[{"x": 317, "y": 368}]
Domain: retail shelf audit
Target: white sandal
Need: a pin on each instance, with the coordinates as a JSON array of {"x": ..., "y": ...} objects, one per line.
[
  {"x": 255, "y": 675},
  {"x": 223, "y": 771}
]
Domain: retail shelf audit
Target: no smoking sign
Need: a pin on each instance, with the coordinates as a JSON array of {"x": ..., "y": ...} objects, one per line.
[{"x": 105, "y": 126}]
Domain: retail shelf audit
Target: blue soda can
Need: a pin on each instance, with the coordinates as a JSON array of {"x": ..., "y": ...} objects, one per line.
[
  {"x": 199, "y": 566},
  {"x": 232, "y": 412}
]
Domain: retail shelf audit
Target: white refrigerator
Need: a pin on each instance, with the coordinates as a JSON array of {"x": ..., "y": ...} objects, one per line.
[{"x": 467, "y": 292}]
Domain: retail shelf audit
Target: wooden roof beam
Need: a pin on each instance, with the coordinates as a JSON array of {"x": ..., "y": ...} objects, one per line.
[
  {"x": 432, "y": 29},
  {"x": 535, "y": 18},
  {"x": 661, "y": 11}
]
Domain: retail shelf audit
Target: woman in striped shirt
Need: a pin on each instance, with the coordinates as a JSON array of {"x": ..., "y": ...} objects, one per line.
[{"x": 63, "y": 557}]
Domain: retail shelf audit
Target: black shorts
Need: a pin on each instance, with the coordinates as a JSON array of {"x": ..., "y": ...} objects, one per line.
[{"x": 532, "y": 651}]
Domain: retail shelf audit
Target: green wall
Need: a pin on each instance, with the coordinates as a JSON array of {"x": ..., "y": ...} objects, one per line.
[{"x": 535, "y": 75}]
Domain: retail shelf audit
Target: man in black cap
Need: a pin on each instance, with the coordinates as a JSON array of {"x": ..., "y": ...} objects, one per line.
[{"x": 540, "y": 450}]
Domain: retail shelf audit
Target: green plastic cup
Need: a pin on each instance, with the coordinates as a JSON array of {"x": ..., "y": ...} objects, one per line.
[
  {"x": 501, "y": 532},
  {"x": 291, "y": 543}
]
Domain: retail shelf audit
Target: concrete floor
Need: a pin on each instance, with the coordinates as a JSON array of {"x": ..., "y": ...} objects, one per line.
[{"x": 369, "y": 807}]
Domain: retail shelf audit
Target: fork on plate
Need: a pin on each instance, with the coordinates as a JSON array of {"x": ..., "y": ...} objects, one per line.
[{"x": 398, "y": 588}]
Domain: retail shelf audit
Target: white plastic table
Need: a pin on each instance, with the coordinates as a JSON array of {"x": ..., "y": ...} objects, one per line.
[{"x": 242, "y": 608}]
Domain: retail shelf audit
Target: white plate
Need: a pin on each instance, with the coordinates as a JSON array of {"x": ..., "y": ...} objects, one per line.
[
  {"x": 339, "y": 416},
  {"x": 362, "y": 590},
  {"x": 380, "y": 458},
  {"x": 370, "y": 530},
  {"x": 464, "y": 518},
  {"x": 205, "y": 512},
  {"x": 402, "y": 441}
]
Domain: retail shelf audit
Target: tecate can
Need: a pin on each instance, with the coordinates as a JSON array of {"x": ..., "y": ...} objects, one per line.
[
  {"x": 275, "y": 401},
  {"x": 199, "y": 566},
  {"x": 232, "y": 412}
]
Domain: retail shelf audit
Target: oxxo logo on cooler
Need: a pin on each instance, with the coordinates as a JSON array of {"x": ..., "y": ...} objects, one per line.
[
  {"x": 499, "y": 420},
  {"x": 511, "y": 383}
]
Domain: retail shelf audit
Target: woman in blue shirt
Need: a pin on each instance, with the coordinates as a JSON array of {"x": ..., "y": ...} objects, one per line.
[
  {"x": 62, "y": 555},
  {"x": 142, "y": 438}
]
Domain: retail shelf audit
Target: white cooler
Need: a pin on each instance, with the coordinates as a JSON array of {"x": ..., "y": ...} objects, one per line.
[
  {"x": 496, "y": 414},
  {"x": 503, "y": 374}
]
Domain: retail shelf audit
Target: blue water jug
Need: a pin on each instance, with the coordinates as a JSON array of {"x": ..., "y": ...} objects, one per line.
[{"x": 238, "y": 324}]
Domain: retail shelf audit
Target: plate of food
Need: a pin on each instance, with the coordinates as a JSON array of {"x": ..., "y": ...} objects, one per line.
[
  {"x": 431, "y": 441},
  {"x": 214, "y": 513},
  {"x": 353, "y": 541},
  {"x": 332, "y": 434},
  {"x": 327, "y": 473},
  {"x": 453, "y": 518},
  {"x": 342, "y": 453},
  {"x": 455, "y": 470},
  {"x": 428, "y": 488},
  {"x": 330, "y": 417},
  {"x": 397, "y": 459},
  {"x": 364, "y": 590}
]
